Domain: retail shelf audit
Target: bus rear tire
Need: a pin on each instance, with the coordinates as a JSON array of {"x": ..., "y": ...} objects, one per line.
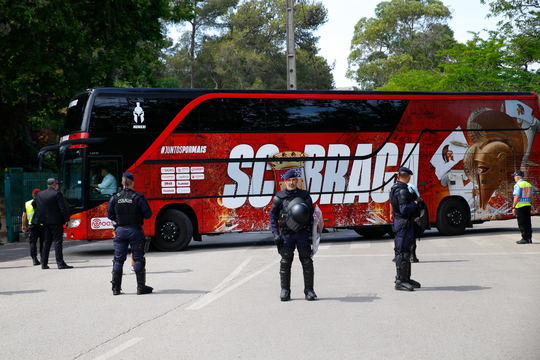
[
  {"x": 452, "y": 217},
  {"x": 372, "y": 233},
  {"x": 174, "y": 231}
]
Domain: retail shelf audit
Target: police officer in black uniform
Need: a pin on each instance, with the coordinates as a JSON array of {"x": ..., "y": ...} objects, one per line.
[
  {"x": 291, "y": 217},
  {"x": 128, "y": 208},
  {"x": 404, "y": 205}
]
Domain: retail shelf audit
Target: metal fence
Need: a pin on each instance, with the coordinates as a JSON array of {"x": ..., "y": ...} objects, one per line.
[{"x": 18, "y": 187}]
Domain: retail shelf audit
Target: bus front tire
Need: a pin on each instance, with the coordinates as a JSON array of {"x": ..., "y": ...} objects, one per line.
[
  {"x": 174, "y": 231},
  {"x": 452, "y": 217}
]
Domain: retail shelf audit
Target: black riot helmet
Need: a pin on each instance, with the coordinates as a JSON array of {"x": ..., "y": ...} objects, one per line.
[{"x": 298, "y": 215}]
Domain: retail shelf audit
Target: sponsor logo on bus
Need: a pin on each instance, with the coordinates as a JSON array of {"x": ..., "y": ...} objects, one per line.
[
  {"x": 333, "y": 179},
  {"x": 101, "y": 223},
  {"x": 183, "y": 149}
]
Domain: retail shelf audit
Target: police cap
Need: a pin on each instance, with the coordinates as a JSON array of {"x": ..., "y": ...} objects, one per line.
[
  {"x": 518, "y": 173},
  {"x": 129, "y": 175},
  {"x": 405, "y": 169},
  {"x": 289, "y": 174}
]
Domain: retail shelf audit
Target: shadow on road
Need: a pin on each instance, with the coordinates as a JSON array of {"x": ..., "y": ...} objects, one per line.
[{"x": 20, "y": 292}]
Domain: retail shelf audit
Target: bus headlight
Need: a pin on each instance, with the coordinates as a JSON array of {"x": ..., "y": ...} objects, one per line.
[{"x": 73, "y": 223}]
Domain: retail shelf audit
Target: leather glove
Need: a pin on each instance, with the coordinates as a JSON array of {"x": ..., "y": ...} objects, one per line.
[
  {"x": 278, "y": 240},
  {"x": 420, "y": 200}
]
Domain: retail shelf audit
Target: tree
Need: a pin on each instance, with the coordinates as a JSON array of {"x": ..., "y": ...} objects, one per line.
[
  {"x": 521, "y": 27},
  {"x": 49, "y": 50},
  {"x": 209, "y": 15},
  {"x": 506, "y": 61},
  {"x": 404, "y": 33},
  {"x": 250, "y": 53}
]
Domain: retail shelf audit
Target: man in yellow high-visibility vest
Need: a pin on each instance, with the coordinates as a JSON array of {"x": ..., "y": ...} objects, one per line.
[
  {"x": 522, "y": 206},
  {"x": 36, "y": 230}
]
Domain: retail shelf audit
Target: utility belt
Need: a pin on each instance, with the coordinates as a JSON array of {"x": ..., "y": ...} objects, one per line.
[
  {"x": 289, "y": 232},
  {"x": 135, "y": 227},
  {"x": 401, "y": 217}
]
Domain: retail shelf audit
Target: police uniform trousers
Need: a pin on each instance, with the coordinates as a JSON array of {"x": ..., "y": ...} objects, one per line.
[
  {"x": 35, "y": 233},
  {"x": 523, "y": 215},
  {"x": 128, "y": 237},
  {"x": 299, "y": 240},
  {"x": 403, "y": 240},
  {"x": 52, "y": 233}
]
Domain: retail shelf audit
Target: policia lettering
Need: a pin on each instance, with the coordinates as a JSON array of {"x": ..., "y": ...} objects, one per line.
[
  {"x": 128, "y": 208},
  {"x": 291, "y": 216},
  {"x": 404, "y": 206}
]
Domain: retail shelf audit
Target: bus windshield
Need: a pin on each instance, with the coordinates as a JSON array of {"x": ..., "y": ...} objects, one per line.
[{"x": 70, "y": 177}]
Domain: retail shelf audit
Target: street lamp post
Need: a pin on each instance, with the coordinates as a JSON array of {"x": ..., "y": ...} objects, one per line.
[{"x": 291, "y": 52}]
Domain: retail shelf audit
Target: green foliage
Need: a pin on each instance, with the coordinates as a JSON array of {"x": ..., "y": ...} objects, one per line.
[
  {"x": 404, "y": 33},
  {"x": 478, "y": 65},
  {"x": 248, "y": 51},
  {"x": 507, "y": 61},
  {"x": 49, "y": 50}
]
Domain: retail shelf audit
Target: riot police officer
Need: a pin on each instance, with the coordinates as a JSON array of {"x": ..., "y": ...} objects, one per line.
[
  {"x": 403, "y": 206},
  {"x": 128, "y": 208},
  {"x": 291, "y": 217}
]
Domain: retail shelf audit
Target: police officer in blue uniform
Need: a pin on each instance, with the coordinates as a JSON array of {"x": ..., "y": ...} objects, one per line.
[
  {"x": 291, "y": 217},
  {"x": 403, "y": 205},
  {"x": 128, "y": 208}
]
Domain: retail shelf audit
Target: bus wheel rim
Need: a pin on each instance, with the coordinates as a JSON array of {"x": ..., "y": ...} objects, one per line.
[
  {"x": 170, "y": 231},
  {"x": 455, "y": 217}
]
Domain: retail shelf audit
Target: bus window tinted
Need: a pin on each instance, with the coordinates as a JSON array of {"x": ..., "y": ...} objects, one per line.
[{"x": 75, "y": 114}]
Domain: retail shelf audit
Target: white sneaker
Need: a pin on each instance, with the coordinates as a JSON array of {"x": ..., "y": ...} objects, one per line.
[{"x": 132, "y": 270}]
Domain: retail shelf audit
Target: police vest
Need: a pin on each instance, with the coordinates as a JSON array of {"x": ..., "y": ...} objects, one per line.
[
  {"x": 29, "y": 211},
  {"x": 284, "y": 212},
  {"x": 524, "y": 194},
  {"x": 405, "y": 195},
  {"x": 127, "y": 209}
]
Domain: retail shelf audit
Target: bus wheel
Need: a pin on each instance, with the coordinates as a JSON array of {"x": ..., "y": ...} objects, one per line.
[
  {"x": 371, "y": 232},
  {"x": 452, "y": 217},
  {"x": 173, "y": 231}
]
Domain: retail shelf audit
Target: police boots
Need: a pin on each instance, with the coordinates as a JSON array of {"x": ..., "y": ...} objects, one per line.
[
  {"x": 403, "y": 270},
  {"x": 285, "y": 277},
  {"x": 307, "y": 266},
  {"x": 116, "y": 282},
  {"x": 141, "y": 282}
]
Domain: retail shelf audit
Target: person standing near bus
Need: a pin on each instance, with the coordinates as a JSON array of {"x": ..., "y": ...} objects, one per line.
[
  {"x": 522, "y": 206},
  {"x": 128, "y": 208},
  {"x": 35, "y": 230},
  {"x": 291, "y": 217},
  {"x": 50, "y": 210},
  {"x": 108, "y": 185},
  {"x": 403, "y": 204}
]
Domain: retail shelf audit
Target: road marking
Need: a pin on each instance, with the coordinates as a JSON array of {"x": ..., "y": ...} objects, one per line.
[
  {"x": 440, "y": 243},
  {"x": 364, "y": 245},
  {"x": 219, "y": 290},
  {"x": 118, "y": 349}
]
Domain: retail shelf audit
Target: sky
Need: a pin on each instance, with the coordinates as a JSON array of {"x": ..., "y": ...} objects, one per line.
[{"x": 336, "y": 34}]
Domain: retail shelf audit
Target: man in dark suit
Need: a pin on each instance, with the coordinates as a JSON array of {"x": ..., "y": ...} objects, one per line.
[{"x": 50, "y": 210}]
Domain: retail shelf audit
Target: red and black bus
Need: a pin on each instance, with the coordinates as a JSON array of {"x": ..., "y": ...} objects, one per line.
[{"x": 204, "y": 158}]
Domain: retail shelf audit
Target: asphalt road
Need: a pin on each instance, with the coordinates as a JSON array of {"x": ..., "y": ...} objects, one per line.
[{"x": 480, "y": 299}]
